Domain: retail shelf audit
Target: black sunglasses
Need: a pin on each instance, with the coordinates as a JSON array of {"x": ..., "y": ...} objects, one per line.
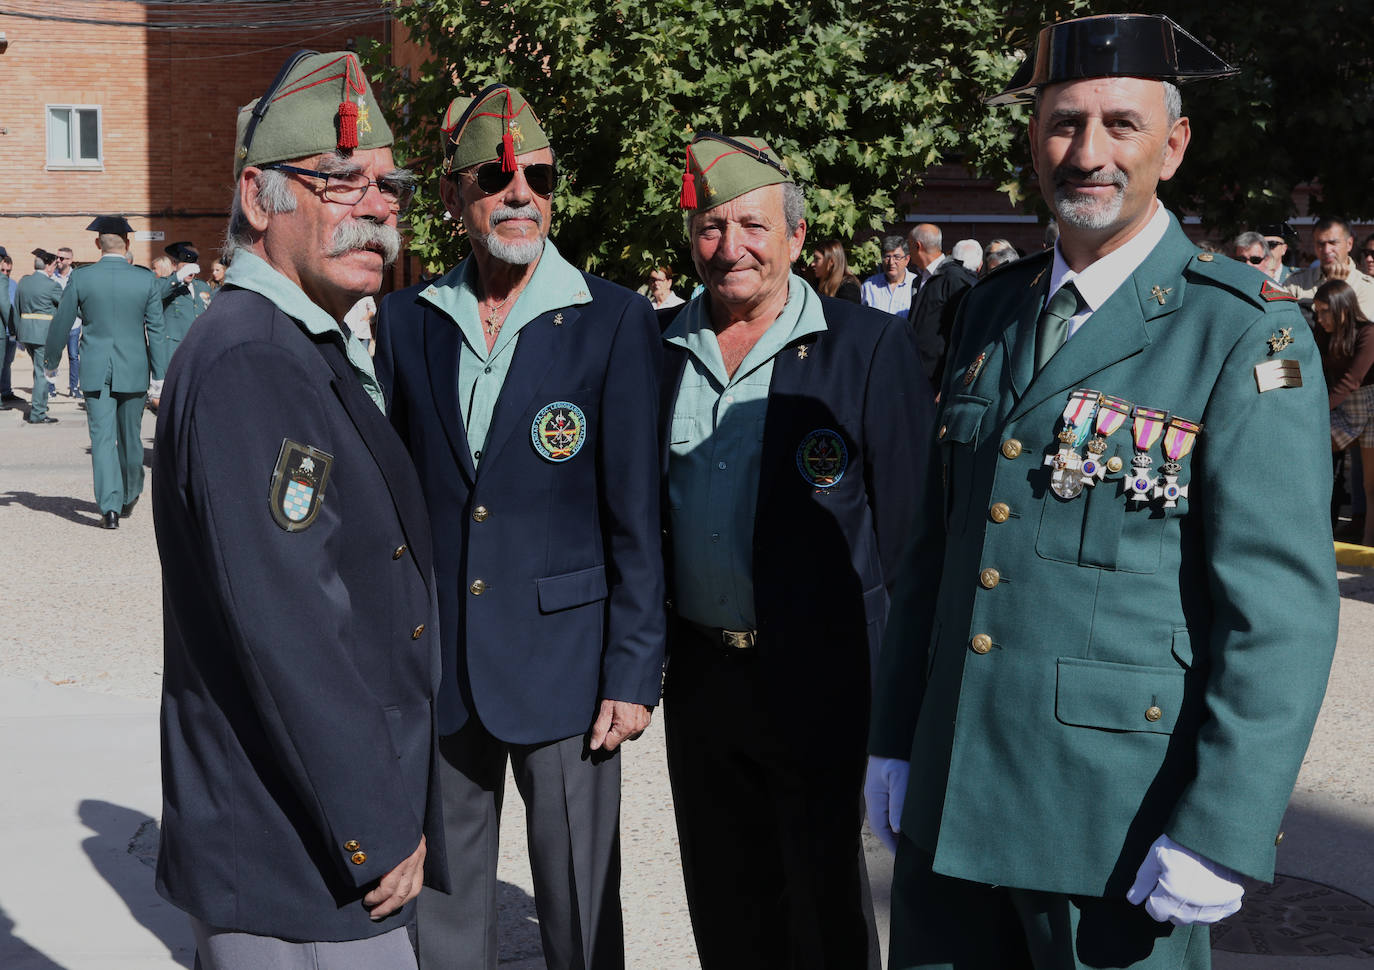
[
  {"x": 491, "y": 178},
  {"x": 1367, "y": 253},
  {"x": 1255, "y": 260}
]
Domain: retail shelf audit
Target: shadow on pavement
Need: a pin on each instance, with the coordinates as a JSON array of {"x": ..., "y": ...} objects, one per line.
[
  {"x": 15, "y": 954},
  {"x": 517, "y": 924},
  {"x": 1358, "y": 587},
  {"x": 63, "y": 506},
  {"x": 124, "y": 852}
]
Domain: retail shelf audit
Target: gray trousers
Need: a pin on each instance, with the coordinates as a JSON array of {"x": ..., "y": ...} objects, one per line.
[
  {"x": 572, "y": 804},
  {"x": 218, "y": 949}
]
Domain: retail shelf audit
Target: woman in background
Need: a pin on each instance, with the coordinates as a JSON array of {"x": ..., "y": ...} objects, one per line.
[
  {"x": 830, "y": 272},
  {"x": 1346, "y": 340}
]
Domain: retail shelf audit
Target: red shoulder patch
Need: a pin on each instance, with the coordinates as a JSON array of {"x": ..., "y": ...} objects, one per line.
[{"x": 1271, "y": 291}]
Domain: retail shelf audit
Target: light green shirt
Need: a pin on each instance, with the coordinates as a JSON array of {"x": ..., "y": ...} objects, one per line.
[
  {"x": 251, "y": 272},
  {"x": 716, "y": 450},
  {"x": 482, "y": 373}
]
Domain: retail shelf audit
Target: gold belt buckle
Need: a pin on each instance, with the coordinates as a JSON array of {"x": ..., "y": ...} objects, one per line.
[{"x": 737, "y": 639}]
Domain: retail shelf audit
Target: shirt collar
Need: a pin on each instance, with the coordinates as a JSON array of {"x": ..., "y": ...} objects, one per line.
[
  {"x": 802, "y": 315},
  {"x": 1104, "y": 277}
]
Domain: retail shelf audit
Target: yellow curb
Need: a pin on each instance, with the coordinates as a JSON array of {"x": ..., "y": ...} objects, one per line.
[{"x": 1349, "y": 554}]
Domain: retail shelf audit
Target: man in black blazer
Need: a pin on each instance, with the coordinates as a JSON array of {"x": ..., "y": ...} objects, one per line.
[
  {"x": 941, "y": 283},
  {"x": 526, "y": 392},
  {"x": 795, "y": 439},
  {"x": 300, "y": 795}
]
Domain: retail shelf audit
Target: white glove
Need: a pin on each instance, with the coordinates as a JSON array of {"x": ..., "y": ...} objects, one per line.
[
  {"x": 885, "y": 794},
  {"x": 1181, "y": 887},
  {"x": 186, "y": 271}
]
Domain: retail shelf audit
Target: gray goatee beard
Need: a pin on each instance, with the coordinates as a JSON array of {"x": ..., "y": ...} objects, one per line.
[
  {"x": 365, "y": 234},
  {"x": 1084, "y": 212},
  {"x": 517, "y": 252}
]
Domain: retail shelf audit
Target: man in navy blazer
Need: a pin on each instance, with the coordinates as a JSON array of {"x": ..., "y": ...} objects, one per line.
[
  {"x": 795, "y": 428},
  {"x": 526, "y": 392}
]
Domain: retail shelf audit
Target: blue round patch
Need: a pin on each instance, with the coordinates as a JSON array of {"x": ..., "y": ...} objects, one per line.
[
  {"x": 822, "y": 458},
  {"x": 559, "y": 431}
]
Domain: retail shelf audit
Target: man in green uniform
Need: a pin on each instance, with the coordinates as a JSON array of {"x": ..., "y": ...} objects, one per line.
[
  {"x": 38, "y": 295},
  {"x": 1112, "y": 635},
  {"x": 116, "y": 302},
  {"x": 183, "y": 299}
]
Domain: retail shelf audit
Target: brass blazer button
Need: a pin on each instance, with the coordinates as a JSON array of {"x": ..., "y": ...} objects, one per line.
[
  {"x": 1011, "y": 448},
  {"x": 943, "y": 428},
  {"x": 478, "y": 587},
  {"x": 1114, "y": 464},
  {"x": 400, "y": 551},
  {"x": 351, "y": 846},
  {"x": 982, "y": 643},
  {"x": 1278, "y": 838},
  {"x": 1153, "y": 713},
  {"x": 1000, "y": 512},
  {"x": 989, "y": 578},
  {"x": 358, "y": 858},
  {"x": 415, "y": 633},
  {"x": 480, "y": 514}
]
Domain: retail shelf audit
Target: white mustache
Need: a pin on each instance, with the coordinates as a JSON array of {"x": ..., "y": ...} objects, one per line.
[
  {"x": 506, "y": 213},
  {"x": 364, "y": 234}
]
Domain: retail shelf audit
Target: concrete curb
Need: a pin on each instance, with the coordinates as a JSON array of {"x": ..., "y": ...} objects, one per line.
[{"x": 1350, "y": 554}]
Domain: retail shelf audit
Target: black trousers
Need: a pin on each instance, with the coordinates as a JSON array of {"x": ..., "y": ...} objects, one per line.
[{"x": 768, "y": 814}]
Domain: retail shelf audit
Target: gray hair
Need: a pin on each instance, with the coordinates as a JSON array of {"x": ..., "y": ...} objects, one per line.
[
  {"x": 999, "y": 251},
  {"x": 793, "y": 209},
  {"x": 928, "y": 237},
  {"x": 274, "y": 195},
  {"x": 38, "y": 263},
  {"x": 1247, "y": 239},
  {"x": 968, "y": 252},
  {"x": 892, "y": 244}
]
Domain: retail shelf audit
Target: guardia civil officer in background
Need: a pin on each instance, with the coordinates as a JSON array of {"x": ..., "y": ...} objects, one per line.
[
  {"x": 183, "y": 299},
  {"x": 38, "y": 295},
  {"x": 121, "y": 346},
  {"x": 300, "y": 805},
  {"x": 795, "y": 440},
  {"x": 1111, "y": 641}
]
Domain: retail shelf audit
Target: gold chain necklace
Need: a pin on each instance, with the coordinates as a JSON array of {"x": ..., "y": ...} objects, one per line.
[{"x": 490, "y": 326}]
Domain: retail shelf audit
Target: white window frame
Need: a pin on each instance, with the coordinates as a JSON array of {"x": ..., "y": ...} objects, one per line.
[{"x": 73, "y": 164}]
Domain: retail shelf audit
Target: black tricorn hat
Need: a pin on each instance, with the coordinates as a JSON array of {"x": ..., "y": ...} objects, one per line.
[
  {"x": 182, "y": 252},
  {"x": 1112, "y": 45},
  {"x": 116, "y": 225},
  {"x": 45, "y": 256}
]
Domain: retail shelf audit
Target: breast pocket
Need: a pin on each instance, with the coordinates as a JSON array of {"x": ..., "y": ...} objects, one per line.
[
  {"x": 960, "y": 424},
  {"x": 1101, "y": 527}
]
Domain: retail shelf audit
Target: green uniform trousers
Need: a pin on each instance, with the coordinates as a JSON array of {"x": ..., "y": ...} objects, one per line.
[
  {"x": 115, "y": 422},
  {"x": 943, "y": 923},
  {"x": 38, "y": 402}
]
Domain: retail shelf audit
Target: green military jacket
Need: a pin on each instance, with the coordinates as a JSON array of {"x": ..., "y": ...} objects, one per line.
[
  {"x": 1071, "y": 678},
  {"x": 116, "y": 302},
  {"x": 37, "y": 299},
  {"x": 181, "y": 304}
]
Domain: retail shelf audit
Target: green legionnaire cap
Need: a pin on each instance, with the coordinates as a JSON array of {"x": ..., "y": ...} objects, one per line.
[
  {"x": 317, "y": 103},
  {"x": 1112, "y": 45},
  {"x": 113, "y": 225},
  {"x": 723, "y": 167},
  {"x": 497, "y": 124}
]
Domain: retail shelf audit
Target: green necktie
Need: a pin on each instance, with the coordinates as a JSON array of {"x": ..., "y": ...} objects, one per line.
[{"x": 1052, "y": 329}]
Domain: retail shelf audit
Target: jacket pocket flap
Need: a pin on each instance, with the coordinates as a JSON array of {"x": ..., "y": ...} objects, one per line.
[
  {"x": 1118, "y": 697},
  {"x": 571, "y": 589},
  {"x": 962, "y": 418}
]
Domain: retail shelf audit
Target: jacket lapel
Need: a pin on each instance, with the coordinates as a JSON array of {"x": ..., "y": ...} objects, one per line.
[
  {"x": 443, "y": 343},
  {"x": 540, "y": 345},
  {"x": 1018, "y": 338},
  {"x": 674, "y": 366}
]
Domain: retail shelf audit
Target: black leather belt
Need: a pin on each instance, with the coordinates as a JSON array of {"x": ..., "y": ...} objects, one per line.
[{"x": 726, "y": 639}]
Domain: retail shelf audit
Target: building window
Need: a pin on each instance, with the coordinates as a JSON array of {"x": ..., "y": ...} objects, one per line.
[{"x": 73, "y": 136}]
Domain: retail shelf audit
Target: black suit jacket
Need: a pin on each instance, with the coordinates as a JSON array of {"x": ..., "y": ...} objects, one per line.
[
  {"x": 824, "y": 557},
  {"x": 298, "y": 736},
  {"x": 932, "y": 315},
  {"x": 570, "y": 606}
]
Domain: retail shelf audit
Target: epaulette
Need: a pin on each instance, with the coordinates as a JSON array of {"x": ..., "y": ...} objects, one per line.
[
  {"x": 1028, "y": 264},
  {"x": 1240, "y": 278}
]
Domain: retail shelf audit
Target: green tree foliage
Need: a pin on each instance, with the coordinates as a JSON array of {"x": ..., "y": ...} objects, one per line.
[{"x": 859, "y": 97}]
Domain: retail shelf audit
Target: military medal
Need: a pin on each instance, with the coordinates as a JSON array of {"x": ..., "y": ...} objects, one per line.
[
  {"x": 1112, "y": 413},
  {"x": 1147, "y": 426},
  {"x": 1178, "y": 441},
  {"x": 1066, "y": 479}
]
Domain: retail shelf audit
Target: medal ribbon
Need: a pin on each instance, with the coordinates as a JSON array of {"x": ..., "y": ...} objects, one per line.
[
  {"x": 1112, "y": 413},
  {"x": 1179, "y": 439},
  {"x": 1078, "y": 414},
  {"x": 1147, "y": 427}
]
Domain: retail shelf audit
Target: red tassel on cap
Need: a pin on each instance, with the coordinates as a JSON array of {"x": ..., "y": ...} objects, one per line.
[
  {"x": 348, "y": 125},
  {"x": 688, "y": 199},
  {"x": 507, "y": 152}
]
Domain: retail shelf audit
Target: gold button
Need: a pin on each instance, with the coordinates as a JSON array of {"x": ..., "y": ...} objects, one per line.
[
  {"x": 982, "y": 643},
  {"x": 989, "y": 578},
  {"x": 1278, "y": 838},
  {"x": 400, "y": 551},
  {"x": 943, "y": 429},
  {"x": 1011, "y": 448},
  {"x": 479, "y": 514},
  {"x": 415, "y": 633},
  {"x": 1114, "y": 464},
  {"x": 359, "y": 858},
  {"x": 1000, "y": 512},
  {"x": 1153, "y": 713},
  {"x": 1205, "y": 257},
  {"x": 351, "y": 846},
  {"x": 478, "y": 587}
]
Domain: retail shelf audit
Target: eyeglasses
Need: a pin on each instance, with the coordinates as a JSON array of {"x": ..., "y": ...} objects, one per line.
[
  {"x": 1275, "y": 242},
  {"x": 348, "y": 188},
  {"x": 894, "y": 257},
  {"x": 491, "y": 178},
  {"x": 1253, "y": 260},
  {"x": 1367, "y": 253}
]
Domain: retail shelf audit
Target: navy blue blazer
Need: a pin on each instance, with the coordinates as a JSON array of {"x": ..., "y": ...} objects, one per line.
[
  {"x": 824, "y": 557},
  {"x": 299, "y": 747},
  {"x": 550, "y": 572}
]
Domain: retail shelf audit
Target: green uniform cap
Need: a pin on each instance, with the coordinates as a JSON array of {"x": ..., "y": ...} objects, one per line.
[
  {"x": 724, "y": 167},
  {"x": 497, "y": 124},
  {"x": 318, "y": 103}
]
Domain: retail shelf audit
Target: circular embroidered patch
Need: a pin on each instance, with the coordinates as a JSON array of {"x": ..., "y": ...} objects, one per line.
[
  {"x": 822, "y": 458},
  {"x": 558, "y": 431}
]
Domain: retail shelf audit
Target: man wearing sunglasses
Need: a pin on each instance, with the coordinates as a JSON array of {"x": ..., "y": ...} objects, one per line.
[
  {"x": 526, "y": 392},
  {"x": 299, "y": 817},
  {"x": 1333, "y": 242},
  {"x": 1251, "y": 248}
]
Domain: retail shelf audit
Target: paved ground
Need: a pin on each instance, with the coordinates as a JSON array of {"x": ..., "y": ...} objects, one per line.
[{"x": 80, "y": 663}]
